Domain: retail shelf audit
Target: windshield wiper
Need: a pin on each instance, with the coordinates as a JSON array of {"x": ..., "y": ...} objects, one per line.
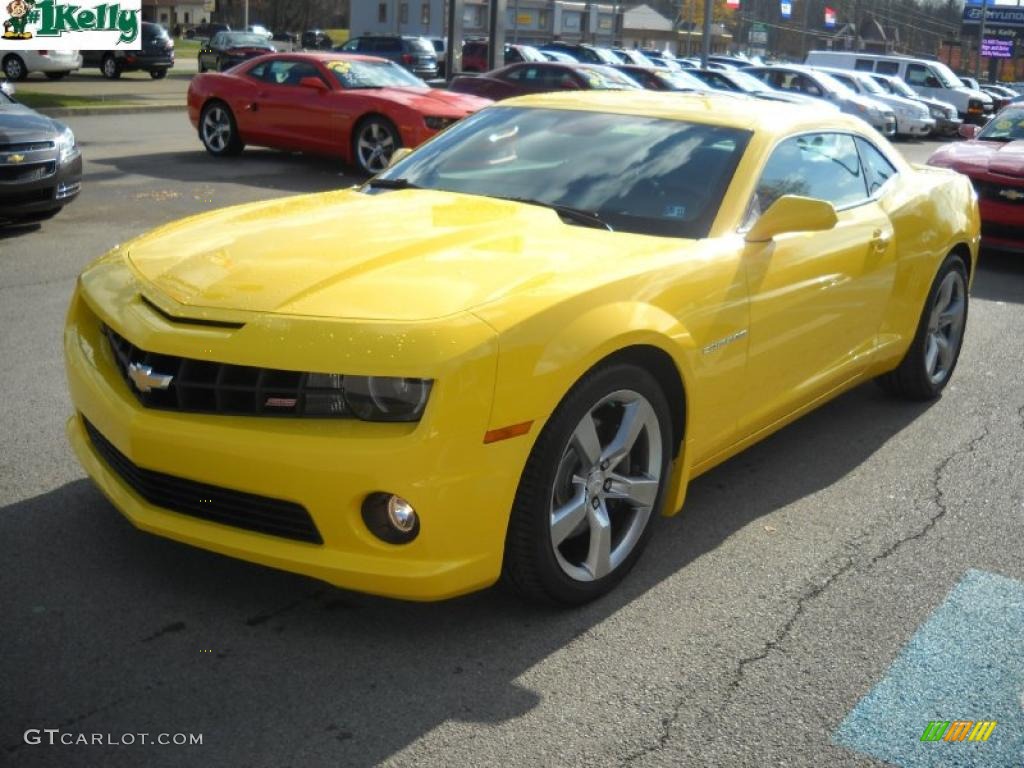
[
  {"x": 391, "y": 184},
  {"x": 578, "y": 215}
]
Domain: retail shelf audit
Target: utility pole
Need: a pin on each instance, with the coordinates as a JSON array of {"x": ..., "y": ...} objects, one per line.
[
  {"x": 803, "y": 32},
  {"x": 981, "y": 36},
  {"x": 705, "y": 51}
]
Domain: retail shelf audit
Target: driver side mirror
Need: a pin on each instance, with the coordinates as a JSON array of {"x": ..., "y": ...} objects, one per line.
[
  {"x": 315, "y": 83},
  {"x": 791, "y": 213},
  {"x": 969, "y": 131}
]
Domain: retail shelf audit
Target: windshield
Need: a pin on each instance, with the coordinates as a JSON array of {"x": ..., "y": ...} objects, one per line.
[
  {"x": 1007, "y": 126},
  {"x": 871, "y": 86},
  {"x": 352, "y": 74},
  {"x": 419, "y": 45},
  {"x": 652, "y": 176},
  {"x": 607, "y": 56},
  {"x": 680, "y": 81},
  {"x": 945, "y": 75},
  {"x": 601, "y": 78},
  {"x": 832, "y": 84},
  {"x": 902, "y": 89},
  {"x": 529, "y": 53},
  {"x": 244, "y": 38},
  {"x": 746, "y": 82}
]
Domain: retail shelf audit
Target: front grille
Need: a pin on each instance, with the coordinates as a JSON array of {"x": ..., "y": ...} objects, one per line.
[
  {"x": 27, "y": 146},
  {"x": 208, "y": 502},
  {"x": 199, "y": 386},
  {"x": 990, "y": 190},
  {"x": 1002, "y": 231},
  {"x": 13, "y": 174},
  {"x": 22, "y": 197}
]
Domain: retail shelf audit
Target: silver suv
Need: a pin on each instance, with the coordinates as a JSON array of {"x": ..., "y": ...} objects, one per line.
[{"x": 821, "y": 85}]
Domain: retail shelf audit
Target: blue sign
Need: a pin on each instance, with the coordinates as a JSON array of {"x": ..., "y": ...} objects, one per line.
[
  {"x": 786, "y": 9},
  {"x": 1004, "y": 17},
  {"x": 962, "y": 670}
]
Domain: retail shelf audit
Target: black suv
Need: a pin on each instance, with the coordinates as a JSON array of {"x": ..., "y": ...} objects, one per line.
[
  {"x": 414, "y": 53},
  {"x": 155, "y": 56}
]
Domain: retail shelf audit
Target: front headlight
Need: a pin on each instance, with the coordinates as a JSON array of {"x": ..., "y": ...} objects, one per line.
[
  {"x": 937, "y": 112},
  {"x": 370, "y": 398},
  {"x": 66, "y": 146},
  {"x": 438, "y": 123}
]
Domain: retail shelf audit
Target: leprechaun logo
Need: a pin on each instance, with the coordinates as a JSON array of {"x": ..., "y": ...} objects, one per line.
[{"x": 20, "y": 13}]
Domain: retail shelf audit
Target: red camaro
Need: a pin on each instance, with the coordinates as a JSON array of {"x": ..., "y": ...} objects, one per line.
[
  {"x": 359, "y": 108},
  {"x": 993, "y": 158}
]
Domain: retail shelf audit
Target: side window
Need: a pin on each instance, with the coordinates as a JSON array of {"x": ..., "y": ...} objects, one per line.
[
  {"x": 916, "y": 75},
  {"x": 352, "y": 45},
  {"x": 887, "y": 68},
  {"x": 218, "y": 40},
  {"x": 864, "y": 65},
  {"x": 849, "y": 82},
  {"x": 388, "y": 45},
  {"x": 824, "y": 166},
  {"x": 259, "y": 72},
  {"x": 876, "y": 165},
  {"x": 804, "y": 84},
  {"x": 522, "y": 74},
  {"x": 284, "y": 72}
]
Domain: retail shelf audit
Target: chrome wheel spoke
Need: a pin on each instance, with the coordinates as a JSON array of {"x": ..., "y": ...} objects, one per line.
[
  {"x": 586, "y": 441},
  {"x": 567, "y": 518},
  {"x": 945, "y": 351},
  {"x": 635, "y": 415},
  {"x": 637, "y": 491},
  {"x": 931, "y": 354},
  {"x": 599, "y": 555}
]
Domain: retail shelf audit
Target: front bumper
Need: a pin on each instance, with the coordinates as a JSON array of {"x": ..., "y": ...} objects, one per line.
[
  {"x": 38, "y": 189},
  {"x": 146, "y": 62},
  {"x": 948, "y": 126},
  {"x": 914, "y": 126},
  {"x": 1002, "y": 225},
  {"x": 461, "y": 488}
]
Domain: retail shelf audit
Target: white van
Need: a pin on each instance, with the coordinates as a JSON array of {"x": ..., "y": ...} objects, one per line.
[{"x": 929, "y": 78}]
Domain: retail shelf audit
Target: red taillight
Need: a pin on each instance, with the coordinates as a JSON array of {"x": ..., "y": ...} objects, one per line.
[
  {"x": 42, "y": 53},
  {"x": 408, "y": 58}
]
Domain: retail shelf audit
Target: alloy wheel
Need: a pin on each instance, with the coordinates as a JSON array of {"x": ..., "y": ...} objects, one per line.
[
  {"x": 216, "y": 129},
  {"x": 14, "y": 68},
  {"x": 374, "y": 146},
  {"x": 606, "y": 486},
  {"x": 945, "y": 327}
]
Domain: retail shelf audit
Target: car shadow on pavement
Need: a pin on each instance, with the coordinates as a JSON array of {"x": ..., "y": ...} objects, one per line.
[
  {"x": 119, "y": 631},
  {"x": 999, "y": 277},
  {"x": 8, "y": 231},
  {"x": 295, "y": 172}
]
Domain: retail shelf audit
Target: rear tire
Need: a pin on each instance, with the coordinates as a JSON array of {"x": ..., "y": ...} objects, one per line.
[
  {"x": 110, "y": 67},
  {"x": 14, "y": 67},
  {"x": 158, "y": 74},
  {"x": 218, "y": 130},
  {"x": 931, "y": 359},
  {"x": 591, "y": 485}
]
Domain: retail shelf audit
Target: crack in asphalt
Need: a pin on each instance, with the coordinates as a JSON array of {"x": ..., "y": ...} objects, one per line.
[{"x": 774, "y": 643}]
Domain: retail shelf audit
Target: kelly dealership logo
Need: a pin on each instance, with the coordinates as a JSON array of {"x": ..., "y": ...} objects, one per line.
[{"x": 28, "y": 24}]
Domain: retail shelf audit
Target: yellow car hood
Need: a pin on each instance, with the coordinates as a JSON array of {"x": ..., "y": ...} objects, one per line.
[{"x": 398, "y": 255}]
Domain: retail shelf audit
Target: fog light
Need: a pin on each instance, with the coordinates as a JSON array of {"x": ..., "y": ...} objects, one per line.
[{"x": 390, "y": 518}]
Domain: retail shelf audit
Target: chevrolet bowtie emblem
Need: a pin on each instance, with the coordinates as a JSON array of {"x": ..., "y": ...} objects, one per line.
[
  {"x": 1011, "y": 194},
  {"x": 145, "y": 380},
  {"x": 15, "y": 159}
]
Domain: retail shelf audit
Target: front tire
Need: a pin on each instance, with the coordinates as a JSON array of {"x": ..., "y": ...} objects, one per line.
[
  {"x": 218, "y": 130},
  {"x": 374, "y": 140},
  {"x": 933, "y": 354},
  {"x": 593, "y": 481}
]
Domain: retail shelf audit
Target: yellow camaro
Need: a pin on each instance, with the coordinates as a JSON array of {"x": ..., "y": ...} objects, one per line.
[{"x": 500, "y": 357}]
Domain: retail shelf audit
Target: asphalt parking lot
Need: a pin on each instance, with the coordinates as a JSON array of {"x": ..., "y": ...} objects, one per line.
[{"x": 820, "y": 599}]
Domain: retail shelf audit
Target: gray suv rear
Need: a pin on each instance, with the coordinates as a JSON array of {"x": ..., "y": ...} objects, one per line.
[{"x": 414, "y": 53}]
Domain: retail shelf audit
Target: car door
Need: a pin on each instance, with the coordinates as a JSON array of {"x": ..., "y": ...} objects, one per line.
[
  {"x": 295, "y": 116},
  {"x": 816, "y": 298},
  {"x": 207, "y": 56}
]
